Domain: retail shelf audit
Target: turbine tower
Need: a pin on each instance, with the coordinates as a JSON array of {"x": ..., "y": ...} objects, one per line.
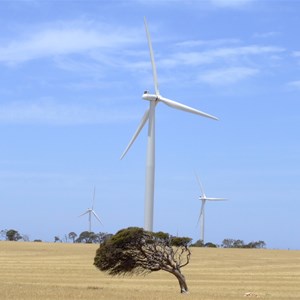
[
  {"x": 149, "y": 116},
  {"x": 91, "y": 212},
  {"x": 203, "y": 198}
]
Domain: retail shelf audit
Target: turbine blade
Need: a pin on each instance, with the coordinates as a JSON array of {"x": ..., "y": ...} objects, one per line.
[
  {"x": 96, "y": 216},
  {"x": 201, "y": 212},
  {"x": 140, "y": 127},
  {"x": 216, "y": 199},
  {"x": 202, "y": 208},
  {"x": 83, "y": 214},
  {"x": 201, "y": 187},
  {"x": 152, "y": 59},
  {"x": 186, "y": 108}
]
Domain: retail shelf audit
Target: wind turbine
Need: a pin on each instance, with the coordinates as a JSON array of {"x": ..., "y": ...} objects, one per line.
[
  {"x": 149, "y": 116},
  {"x": 91, "y": 212},
  {"x": 203, "y": 198}
]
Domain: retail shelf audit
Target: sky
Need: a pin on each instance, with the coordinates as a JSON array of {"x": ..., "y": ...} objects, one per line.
[{"x": 72, "y": 75}]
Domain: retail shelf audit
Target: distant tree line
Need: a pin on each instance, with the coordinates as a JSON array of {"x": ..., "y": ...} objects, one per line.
[
  {"x": 84, "y": 237},
  {"x": 87, "y": 237},
  {"x": 231, "y": 243}
]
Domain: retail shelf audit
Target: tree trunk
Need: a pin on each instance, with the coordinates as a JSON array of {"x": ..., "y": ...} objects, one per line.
[{"x": 181, "y": 280}]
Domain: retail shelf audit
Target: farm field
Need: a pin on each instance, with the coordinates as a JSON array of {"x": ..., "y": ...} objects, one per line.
[{"x": 65, "y": 271}]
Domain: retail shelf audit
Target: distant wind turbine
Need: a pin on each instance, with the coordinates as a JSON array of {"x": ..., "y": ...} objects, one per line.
[
  {"x": 203, "y": 198},
  {"x": 91, "y": 212},
  {"x": 149, "y": 116}
]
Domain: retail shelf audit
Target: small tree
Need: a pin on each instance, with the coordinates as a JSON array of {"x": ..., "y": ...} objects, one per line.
[
  {"x": 57, "y": 239},
  {"x": 210, "y": 245},
  {"x": 198, "y": 243},
  {"x": 85, "y": 237},
  {"x": 25, "y": 237},
  {"x": 72, "y": 236},
  {"x": 13, "y": 235},
  {"x": 228, "y": 243},
  {"x": 238, "y": 244},
  {"x": 136, "y": 251},
  {"x": 259, "y": 244},
  {"x": 92, "y": 237},
  {"x": 3, "y": 233}
]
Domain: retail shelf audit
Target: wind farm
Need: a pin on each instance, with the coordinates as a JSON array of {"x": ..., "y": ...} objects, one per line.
[{"x": 87, "y": 83}]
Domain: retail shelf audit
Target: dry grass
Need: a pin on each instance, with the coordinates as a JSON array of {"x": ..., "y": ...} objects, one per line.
[{"x": 65, "y": 271}]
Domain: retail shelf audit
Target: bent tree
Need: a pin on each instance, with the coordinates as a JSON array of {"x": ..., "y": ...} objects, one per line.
[{"x": 136, "y": 251}]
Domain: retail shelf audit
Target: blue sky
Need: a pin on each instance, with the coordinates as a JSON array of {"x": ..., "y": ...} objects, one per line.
[{"x": 72, "y": 75}]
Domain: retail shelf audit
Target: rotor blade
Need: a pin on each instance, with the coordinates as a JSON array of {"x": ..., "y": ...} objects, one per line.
[
  {"x": 83, "y": 213},
  {"x": 201, "y": 212},
  {"x": 216, "y": 199},
  {"x": 140, "y": 127},
  {"x": 152, "y": 58},
  {"x": 93, "y": 198},
  {"x": 201, "y": 187},
  {"x": 202, "y": 208},
  {"x": 186, "y": 108},
  {"x": 96, "y": 216}
]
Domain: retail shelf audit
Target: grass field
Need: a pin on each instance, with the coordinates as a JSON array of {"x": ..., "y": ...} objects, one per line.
[{"x": 65, "y": 271}]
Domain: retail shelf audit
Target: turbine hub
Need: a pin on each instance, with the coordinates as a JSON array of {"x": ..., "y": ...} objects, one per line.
[{"x": 149, "y": 97}]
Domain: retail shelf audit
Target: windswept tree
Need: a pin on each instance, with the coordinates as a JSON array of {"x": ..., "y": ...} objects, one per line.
[{"x": 136, "y": 251}]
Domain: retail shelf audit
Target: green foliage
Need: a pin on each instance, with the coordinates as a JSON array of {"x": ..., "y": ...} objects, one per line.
[
  {"x": 13, "y": 235},
  {"x": 91, "y": 237},
  {"x": 259, "y": 244},
  {"x": 135, "y": 251},
  {"x": 198, "y": 243},
  {"x": 117, "y": 254},
  {"x": 180, "y": 241},
  {"x": 72, "y": 236},
  {"x": 210, "y": 245}
]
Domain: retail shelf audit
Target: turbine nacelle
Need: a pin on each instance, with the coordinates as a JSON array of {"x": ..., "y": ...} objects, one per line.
[{"x": 150, "y": 97}]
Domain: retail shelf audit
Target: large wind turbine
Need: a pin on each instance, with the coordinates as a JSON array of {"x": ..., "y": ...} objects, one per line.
[
  {"x": 149, "y": 116},
  {"x": 91, "y": 212},
  {"x": 203, "y": 198}
]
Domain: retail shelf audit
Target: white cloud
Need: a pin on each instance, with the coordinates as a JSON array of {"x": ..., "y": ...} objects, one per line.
[
  {"x": 49, "y": 112},
  {"x": 217, "y": 42},
  {"x": 266, "y": 34},
  {"x": 294, "y": 84},
  {"x": 296, "y": 53},
  {"x": 211, "y": 56},
  {"x": 62, "y": 39},
  {"x": 227, "y": 76}
]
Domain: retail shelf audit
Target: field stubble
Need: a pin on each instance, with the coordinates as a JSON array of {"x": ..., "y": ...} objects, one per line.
[{"x": 45, "y": 271}]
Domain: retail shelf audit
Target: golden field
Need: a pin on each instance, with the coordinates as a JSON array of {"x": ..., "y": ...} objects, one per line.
[{"x": 65, "y": 271}]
